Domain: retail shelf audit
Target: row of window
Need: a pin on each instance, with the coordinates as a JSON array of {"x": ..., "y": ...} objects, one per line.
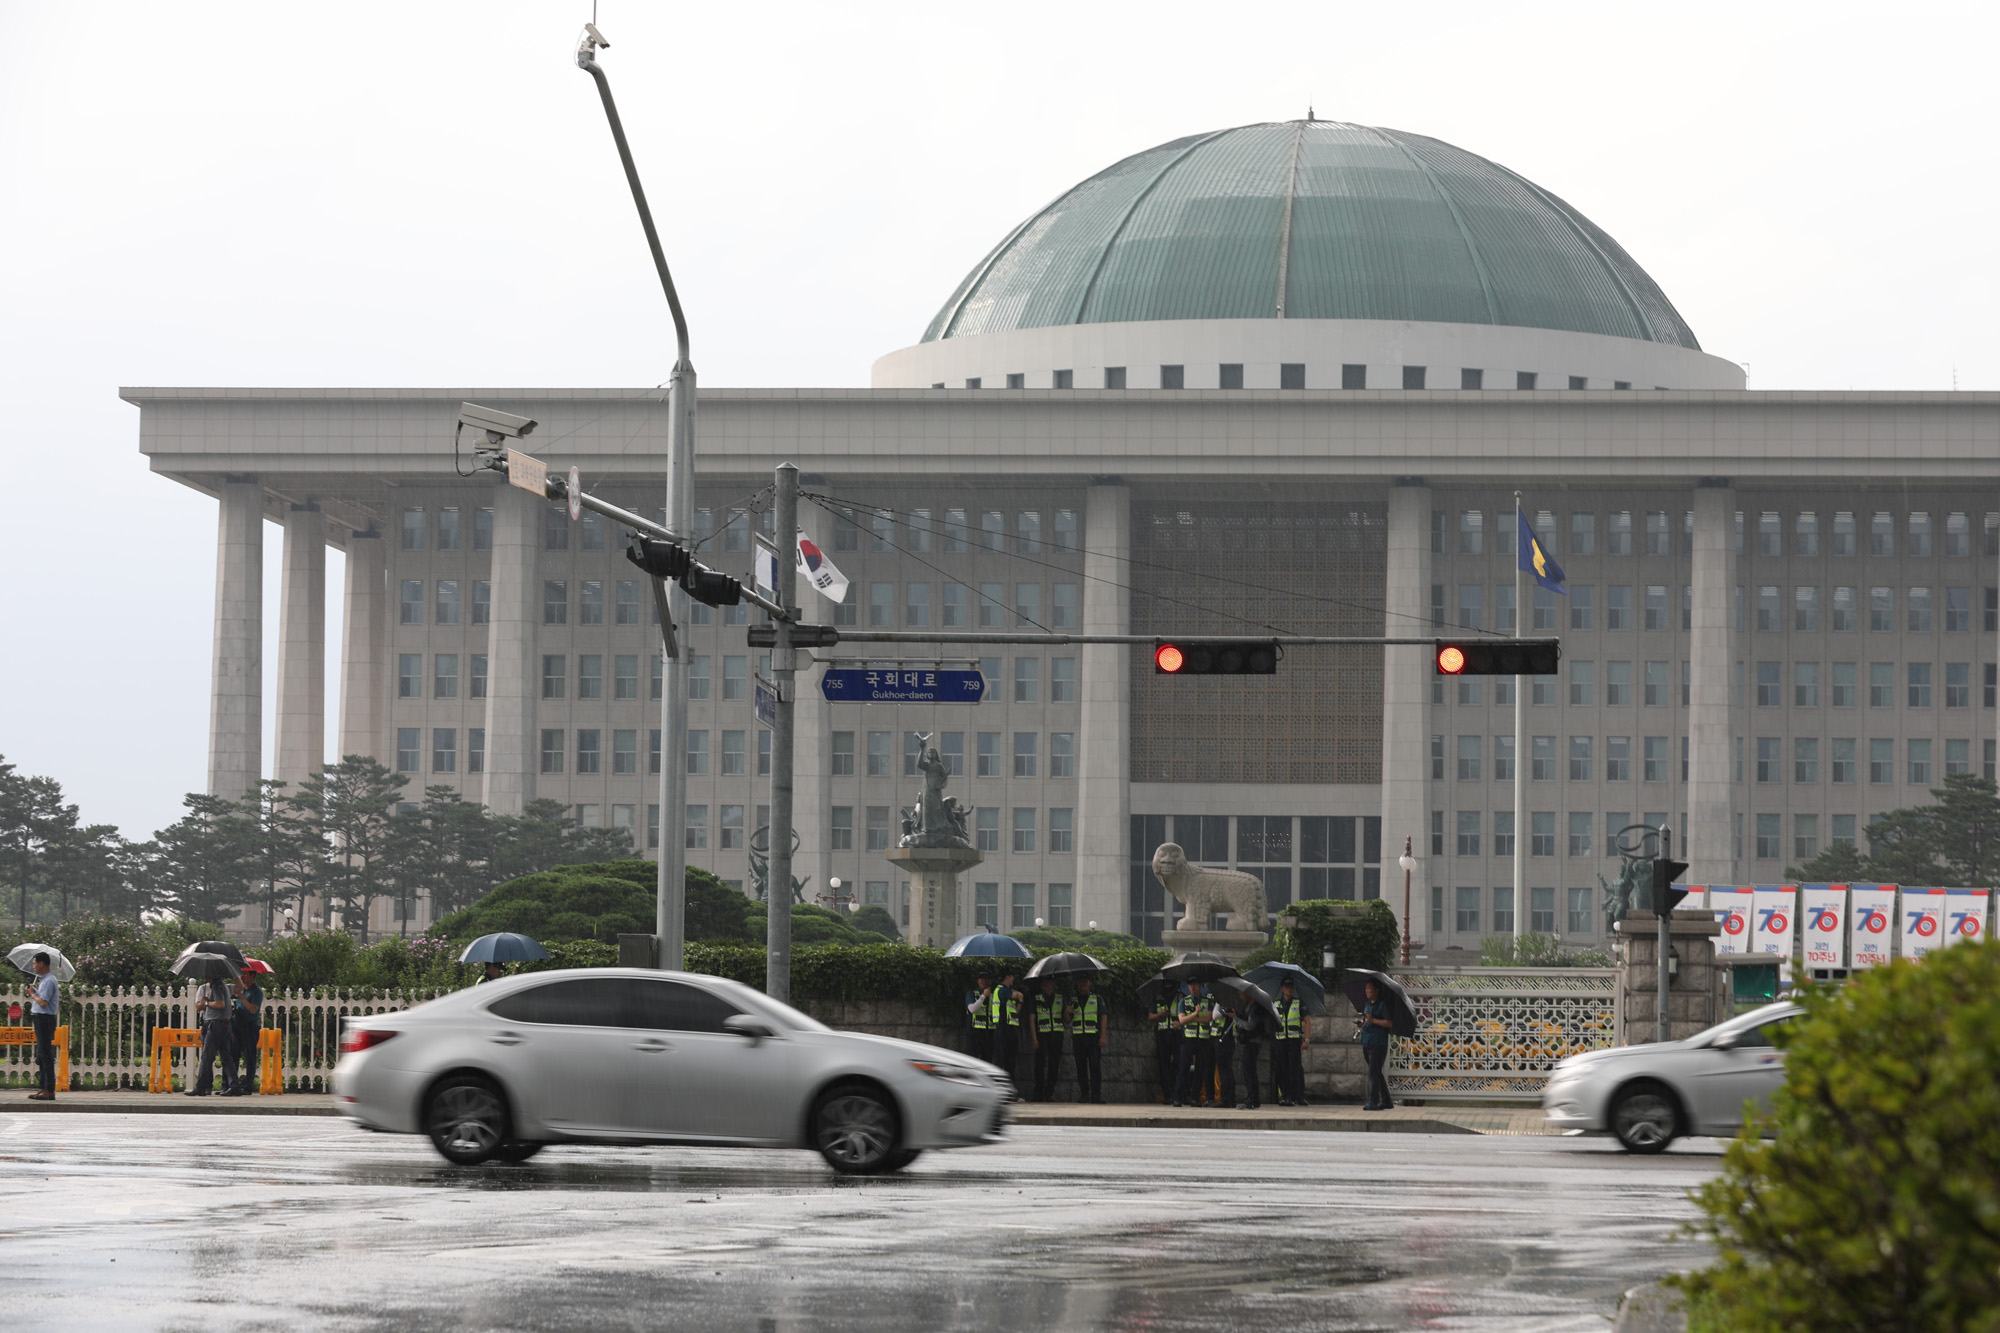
[
  {"x": 1579, "y": 761},
  {"x": 1022, "y": 905},
  {"x": 1654, "y": 685},
  {"x": 1024, "y": 831},
  {"x": 1650, "y": 609},
  {"x": 1468, "y": 918},
  {"x": 448, "y": 533},
  {"x": 950, "y": 532},
  {"x": 989, "y": 761},
  {"x": 960, "y": 607},
  {"x": 1291, "y": 375},
  {"x": 1464, "y": 838},
  {"x": 1652, "y": 530}
]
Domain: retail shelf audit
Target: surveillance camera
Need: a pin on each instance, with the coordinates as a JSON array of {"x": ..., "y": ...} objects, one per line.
[
  {"x": 596, "y": 36},
  {"x": 495, "y": 423}
]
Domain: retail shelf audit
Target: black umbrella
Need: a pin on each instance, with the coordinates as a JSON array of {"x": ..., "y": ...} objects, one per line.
[
  {"x": 1156, "y": 991},
  {"x": 1237, "y": 995},
  {"x": 1355, "y": 984},
  {"x": 223, "y": 947},
  {"x": 1270, "y": 976},
  {"x": 1197, "y": 967},
  {"x": 204, "y": 967},
  {"x": 1064, "y": 965}
]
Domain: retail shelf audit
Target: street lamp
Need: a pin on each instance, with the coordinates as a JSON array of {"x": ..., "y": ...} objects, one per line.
[{"x": 1409, "y": 863}]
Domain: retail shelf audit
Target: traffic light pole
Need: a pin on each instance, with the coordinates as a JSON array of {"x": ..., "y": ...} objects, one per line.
[
  {"x": 784, "y": 666},
  {"x": 1664, "y": 910}
]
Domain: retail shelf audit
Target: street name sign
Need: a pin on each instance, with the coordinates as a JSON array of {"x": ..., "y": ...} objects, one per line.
[{"x": 903, "y": 685}]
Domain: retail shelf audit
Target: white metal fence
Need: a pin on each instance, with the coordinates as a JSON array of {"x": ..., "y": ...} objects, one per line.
[
  {"x": 1494, "y": 1032},
  {"x": 111, "y": 1033}
]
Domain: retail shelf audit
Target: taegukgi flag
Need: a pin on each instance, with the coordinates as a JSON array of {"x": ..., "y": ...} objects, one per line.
[
  {"x": 1923, "y": 921},
  {"x": 1733, "y": 911},
  {"x": 1534, "y": 560},
  {"x": 1871, "y": 914},
  {"x": 819, "y": 571},
  {"x": 1822, "y": 922},
  {"x": 1775, "y": 917}
]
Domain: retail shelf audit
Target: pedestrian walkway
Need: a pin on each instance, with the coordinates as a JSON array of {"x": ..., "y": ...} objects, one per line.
[
  {"x": 133, "y": 1102},
  {"x": 1348, "y": 1119}
]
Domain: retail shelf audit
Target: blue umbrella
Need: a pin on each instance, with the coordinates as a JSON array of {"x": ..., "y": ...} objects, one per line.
[
  {"x": 502, "y": 947},
  {"x": 989, "y": 943},
  {"x": 1269, "y": 976}
]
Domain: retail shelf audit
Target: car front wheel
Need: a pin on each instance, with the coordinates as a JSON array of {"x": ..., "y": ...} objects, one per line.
[
  {"x": 1645, "y": 1118},
  {"x": 854, "y": 1128},
  {"x": 467, "y": 1120}
]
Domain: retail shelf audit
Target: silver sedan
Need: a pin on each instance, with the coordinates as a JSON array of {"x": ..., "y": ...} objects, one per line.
[
  {"x": 623, "y": 1056},
  {"x": 1650, "y": 1095}
]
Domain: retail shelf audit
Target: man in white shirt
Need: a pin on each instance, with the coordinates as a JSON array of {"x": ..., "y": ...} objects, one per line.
[{"x": 42, "y": 1014}]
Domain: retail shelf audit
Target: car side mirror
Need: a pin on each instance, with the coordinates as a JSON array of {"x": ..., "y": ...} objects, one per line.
[
  {"x": 744, "y": 1025},
  {"x": 1728, "y": 1041}
]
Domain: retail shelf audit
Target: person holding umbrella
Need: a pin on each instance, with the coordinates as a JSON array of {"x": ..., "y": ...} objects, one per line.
[
  {"x": 1198, "y": 1023},
  {"x": 1007, "y": 1024},
  {"x": 1166, "y": 1043},
  {"x": 1375, "y": 1021},
  {"x": 1045, "y": 1038},
  {"x": 45, "y": 993},
  {"x": 1086, "y": 1034},
  {"x": 1289, "y": 1046},
  {"x": 239, "y": 1073},
  {"x": 490, "y": 971},
  {"x": 212, "y": 1001}
]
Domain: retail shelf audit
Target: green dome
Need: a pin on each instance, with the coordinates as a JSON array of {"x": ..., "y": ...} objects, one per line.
[{"x": 1311, "y": 219}]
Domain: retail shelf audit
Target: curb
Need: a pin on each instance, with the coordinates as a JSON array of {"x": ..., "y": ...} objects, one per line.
[
  {"x": 168, "y": 1104},
  {"x": 1243, "y": 1121}
]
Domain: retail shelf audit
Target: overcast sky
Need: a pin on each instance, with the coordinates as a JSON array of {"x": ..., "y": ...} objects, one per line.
[{"x": 401, "y": 194}]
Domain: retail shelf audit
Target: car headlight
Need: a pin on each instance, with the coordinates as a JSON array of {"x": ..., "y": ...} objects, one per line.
[{"x": 949, "y": 1073}]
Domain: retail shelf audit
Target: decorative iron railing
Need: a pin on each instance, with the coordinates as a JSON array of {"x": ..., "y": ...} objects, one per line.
[
  {"x": 111, "y": 1032},
  {"x": 1495, "y": 1032}
]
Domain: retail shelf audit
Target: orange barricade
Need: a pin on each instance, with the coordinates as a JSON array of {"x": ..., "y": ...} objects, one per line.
[
  {"x": 165, "y": 1042},
  {"x": 26, "y": 1037},
  {"x": 270, "y": 1053}
]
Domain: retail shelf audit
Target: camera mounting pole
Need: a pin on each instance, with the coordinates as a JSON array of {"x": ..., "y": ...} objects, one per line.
[{"x": 671, "y": 917}]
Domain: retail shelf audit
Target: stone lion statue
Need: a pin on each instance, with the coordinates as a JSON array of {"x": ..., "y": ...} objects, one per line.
[{"x": 1205, "y": 890}]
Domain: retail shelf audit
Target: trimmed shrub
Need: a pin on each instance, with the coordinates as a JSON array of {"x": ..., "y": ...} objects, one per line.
[
  {"x": 1876, "y": 1202},
  {"x": 591, "y": 902},
  {"x": 316, "y": 958},
  {"x": 875, "y": 918},
  {"x": 1096, "y": 943},
  {"x": 111, "y": 951},
  {"x": 1366, "y": 939}
]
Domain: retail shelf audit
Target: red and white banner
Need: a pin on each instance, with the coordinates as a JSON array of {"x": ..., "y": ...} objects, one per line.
[
  {"x": 1871, "y": 915},
  {"x": 1697, "y": 899},
  {"x": 1777, "y": 916},
  {"x": 1823, "y": 924},
  {"x": 1964, "y": 916},
  {"x": 1923, "y": 921},
  {"x": 1733, "y": 909}
]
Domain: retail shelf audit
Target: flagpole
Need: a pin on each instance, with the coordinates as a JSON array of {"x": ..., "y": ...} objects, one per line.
[{"x": 1521, "y": 686}]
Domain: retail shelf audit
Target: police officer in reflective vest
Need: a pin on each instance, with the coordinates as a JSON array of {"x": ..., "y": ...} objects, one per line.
[
  {"x": 1197, "y": 1024},
  {"x": 1086, "y": 1034},
  {"x": 1006, "y": 1023},
  {"x": 981, "y": 1009},
  {"x": 1288, "y": 1050},
  {"x": 1046, "y": 1038},
  {"x": 1167, "y": 1043},
  {"x": 1252, "y": 1026}
]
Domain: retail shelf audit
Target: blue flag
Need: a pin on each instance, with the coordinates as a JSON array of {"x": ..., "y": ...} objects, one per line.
[{"x": 1534, "y": 560}]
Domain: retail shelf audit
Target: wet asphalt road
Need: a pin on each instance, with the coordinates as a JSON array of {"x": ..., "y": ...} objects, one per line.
[{"x": 191, "y": 1222}]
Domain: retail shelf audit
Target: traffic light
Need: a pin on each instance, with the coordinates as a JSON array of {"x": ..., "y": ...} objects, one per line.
[
  {"x": 1667, "y": 894},
  {"x": 661, "y": 559},
  {"x": 1498, "y": 657},
  {"x": 711, "y": 588},
  {"x": 1216, "y": 657}
]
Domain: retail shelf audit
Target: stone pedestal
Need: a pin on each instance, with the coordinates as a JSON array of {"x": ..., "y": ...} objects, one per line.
[
  {"x": 1231, "y": 945},
  {"x": 934, "y": 873},
  {"x": 1698, "y": 993}
]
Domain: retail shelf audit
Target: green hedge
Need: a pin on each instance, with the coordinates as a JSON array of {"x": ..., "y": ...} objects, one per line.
[{"x": 1368, "y": 938}]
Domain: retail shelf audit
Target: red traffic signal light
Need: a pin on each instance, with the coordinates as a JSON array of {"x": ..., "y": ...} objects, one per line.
[
  {"x": 1497, "y": 657},
  {"x": 1216, "y": 657}
]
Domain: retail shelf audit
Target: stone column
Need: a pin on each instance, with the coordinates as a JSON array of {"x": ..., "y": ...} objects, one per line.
[
  {"x": 236, "y": 698},
  {"x": 1104, "y": 715},
  {"x": 1406, "y": 702},
  {"x": 364, "y": 646},
  {"x": 302, "y": 648},
  {"x": 513, "y": 751},
  {"x": 1710, "y": 791}
]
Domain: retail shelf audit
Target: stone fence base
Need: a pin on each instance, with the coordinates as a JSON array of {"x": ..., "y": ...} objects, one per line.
[{"x": 1334, "y": 1068}]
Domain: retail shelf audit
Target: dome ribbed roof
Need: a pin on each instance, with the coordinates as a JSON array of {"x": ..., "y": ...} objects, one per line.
[{"x": 1311, "y": 220}]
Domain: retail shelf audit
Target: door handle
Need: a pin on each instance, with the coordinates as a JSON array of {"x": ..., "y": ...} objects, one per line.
[
  {"x": 652, "y": 1044},
  {"x": 506, "y": 1038}
]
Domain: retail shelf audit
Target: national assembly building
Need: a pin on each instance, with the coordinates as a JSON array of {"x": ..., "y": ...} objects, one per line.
[{"x": 1282, "y": 378}]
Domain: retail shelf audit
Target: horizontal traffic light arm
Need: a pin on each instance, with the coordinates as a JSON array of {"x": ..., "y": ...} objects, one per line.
[{"x": 1150, "y": 640}]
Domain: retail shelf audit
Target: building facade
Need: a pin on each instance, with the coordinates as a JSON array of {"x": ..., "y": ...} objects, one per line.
[{"x": 1281, "y": 378}]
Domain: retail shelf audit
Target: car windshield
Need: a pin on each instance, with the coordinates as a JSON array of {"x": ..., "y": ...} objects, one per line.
[
  {"x": 777, "y": 1010},
  {"x": 1750, "y": 1024}
]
